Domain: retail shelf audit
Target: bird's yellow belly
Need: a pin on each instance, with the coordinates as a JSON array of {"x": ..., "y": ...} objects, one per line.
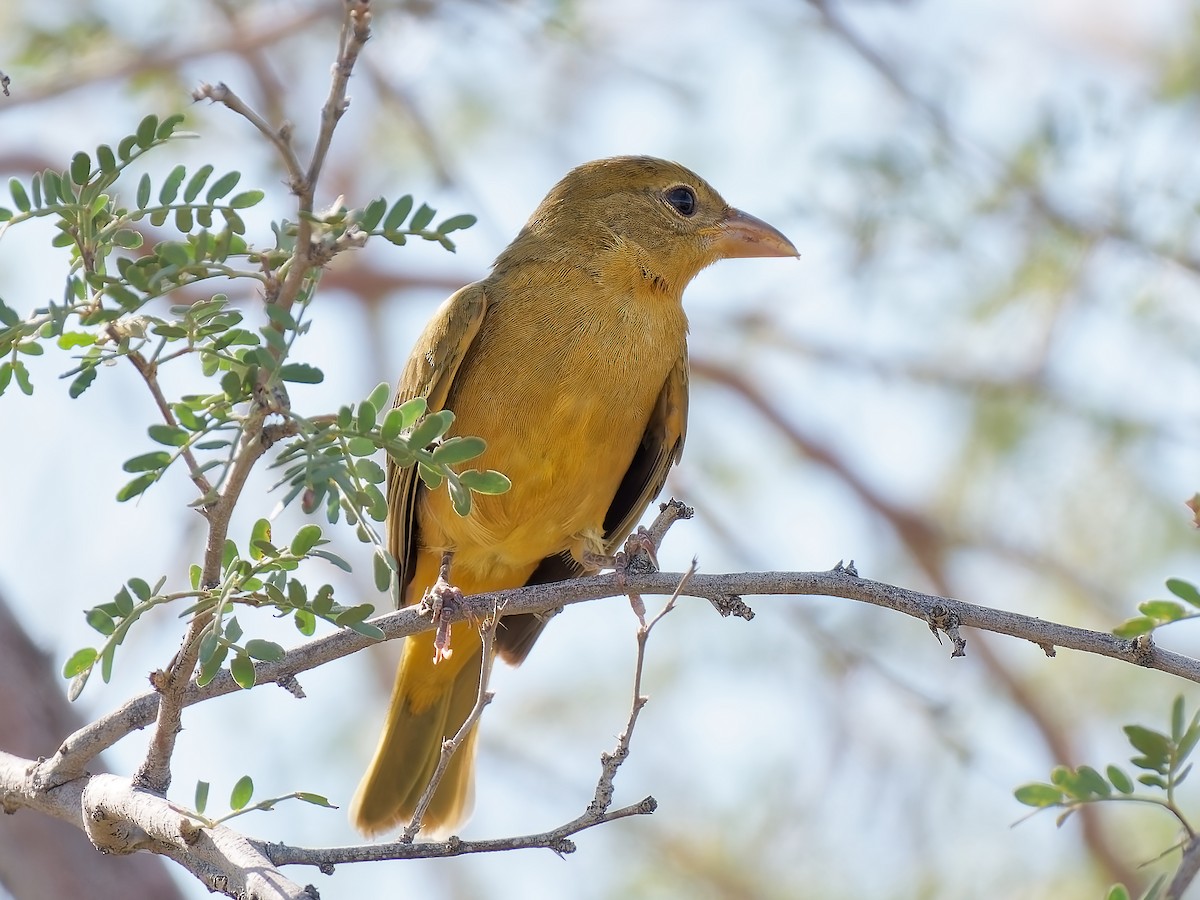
[{"x": 565, "y": 438}]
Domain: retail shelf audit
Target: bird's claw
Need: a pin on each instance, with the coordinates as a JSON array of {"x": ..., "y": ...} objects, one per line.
[
  {"x": 639, "y": 557},
  {"x": 440, "y": 602}
]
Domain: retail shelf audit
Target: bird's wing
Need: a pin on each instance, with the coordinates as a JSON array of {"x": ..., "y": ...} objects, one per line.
[
  {"x": 430, "y": 372},
  {"x": 661, "y": 447}
]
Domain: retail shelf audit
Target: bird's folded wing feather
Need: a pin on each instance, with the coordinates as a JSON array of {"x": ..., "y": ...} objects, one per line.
[{"x": 430, "y": 372}]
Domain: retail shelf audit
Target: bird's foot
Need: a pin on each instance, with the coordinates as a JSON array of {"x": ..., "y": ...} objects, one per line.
[
  {"x": 441, "y": 601},
  {"x": 638, "y": 557}
]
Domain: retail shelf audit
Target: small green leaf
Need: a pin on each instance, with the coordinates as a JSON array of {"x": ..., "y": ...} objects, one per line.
[
  {"x": 306, "y": 622},
  {"x": 315, "y": 799},
  {"x": 354, "y": 615},
  {"x": 80, "y": 661},
  {"x": 201, "y": 796},
  {"x": 171, "y": 184},
  {"x": 1117, "y": 892},
  {"x": 306, "y": 538},
  {"x": 106, "y": 159},
  {"x": 101, "y": 621},
  {"x": 301, "y": 373},
  {"x": 370, "y": 471},
  {"x": 143, "y": 192},
  {"x": 1120, "y": 780},
  {"x": 1039, "y": 795},
  {"x": 383, "y": 572},
  {"x": 81, "y": 168},
  {"x": 399, "y": 418},
  {"x": 460, "y": 497},
  {"x": 396, "y": 216},
  {"x": 1154, "y": 746},
  {"x": 1092, "y": 782},
  {"x": 456, "y": 223},
  {"x": 333, "y": 558},
  {"x": 268, "y": 651},
  {"x": 8, "y": 315},
  {"x": 127, "y": 239},
  {"x": 432, "y": 427},
  {"x": 1162, "y": 610},
  {"x": 242, "y": 669},
  {"x": 367, "y": 414},
  {"x": 489, "y": 482},
  {"x": 366, "y": 629},
  {"x": 21, "y": 373},
  {"x": 171, "y": 435},
  {"x": 196, "y": 183},
  {"x": 146, "y": 131},
  {"x": 260, "y": 534},
  {"x": 148, "y": 462},
  {"x": 246, "y": 199},
  {"x": 371, "y": 214},
  {"x": 1134, "y": 627},
  {"x": 20, "y": 198},
  {"x": 136, "y": 487},
  {"x": 378, "y": 398},
  {"x": 125, "y": 147},
  {"x": 455, "y": 450},
  {"x": 123, "y": 602},
  {"x": 1184, "y": 590},
  {"x": 431, "y": 478},
  {"x": 421, "y": 218},
  {"x": 222, "y": 186},
  {"x": 167, "y": 126},
  {"x": 242, "y": 792},
  {"x": 361, "y": 446}
]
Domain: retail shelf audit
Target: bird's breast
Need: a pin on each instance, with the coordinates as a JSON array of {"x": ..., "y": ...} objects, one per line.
[{"x": 562, "y": 395}]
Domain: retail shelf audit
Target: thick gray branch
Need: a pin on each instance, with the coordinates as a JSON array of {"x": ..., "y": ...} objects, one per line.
[{"x": 121, "y": 819}]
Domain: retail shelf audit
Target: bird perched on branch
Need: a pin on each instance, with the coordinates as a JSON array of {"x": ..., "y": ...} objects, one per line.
[{"x": 570, "y": 361}]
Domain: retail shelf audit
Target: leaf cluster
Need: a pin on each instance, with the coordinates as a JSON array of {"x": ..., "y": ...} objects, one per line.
[
  {"x": 1156, "y": 613},
  {"x": 1163, "y": 758}
]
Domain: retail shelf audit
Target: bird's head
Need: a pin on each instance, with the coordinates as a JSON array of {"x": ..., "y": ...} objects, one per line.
[{"x": 644, "y": 212}]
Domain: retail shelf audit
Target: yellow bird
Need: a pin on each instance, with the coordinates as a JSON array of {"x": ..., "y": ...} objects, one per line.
[{"x": 570, "y": 361}]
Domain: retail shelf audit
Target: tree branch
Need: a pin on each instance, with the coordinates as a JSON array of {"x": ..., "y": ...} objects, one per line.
[
  {"x": 942, "y": 614},
  {"x": 121, "y": 819}
]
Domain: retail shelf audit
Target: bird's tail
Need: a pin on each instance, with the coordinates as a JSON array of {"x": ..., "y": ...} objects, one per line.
[{"x": 429, "y": 704}]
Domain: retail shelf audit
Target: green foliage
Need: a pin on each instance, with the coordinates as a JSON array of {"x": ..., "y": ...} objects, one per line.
[
  {"x": 130, "y": 242},
  {"x": 377, "y": 219},
  {"x": 1156, "y": 613},
  {"x": 261, "y": 576},
  {"x": 240, "y": 797},
  {"x": 1163, "y": 758}
]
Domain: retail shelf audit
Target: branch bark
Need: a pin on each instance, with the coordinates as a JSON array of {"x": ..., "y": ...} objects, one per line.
[{"x": 943, "y": 615}]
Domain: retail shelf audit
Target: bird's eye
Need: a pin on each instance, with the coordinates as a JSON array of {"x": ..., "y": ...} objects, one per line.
[{"x": 682, "y": 199}]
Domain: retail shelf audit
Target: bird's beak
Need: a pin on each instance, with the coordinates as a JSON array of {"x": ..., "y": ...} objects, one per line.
[{"x": 740, "y": 235}]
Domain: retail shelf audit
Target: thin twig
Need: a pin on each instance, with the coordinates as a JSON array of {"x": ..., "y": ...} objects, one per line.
[
  {"x": 280, "y": 137},
  {"x": 149, "y": 372},
  {"x": 154, "y": 774},
  {"x": 556, "y": 839},
  {"x": 450, "y": 747},
  {"x": 611, "y": 762}
]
